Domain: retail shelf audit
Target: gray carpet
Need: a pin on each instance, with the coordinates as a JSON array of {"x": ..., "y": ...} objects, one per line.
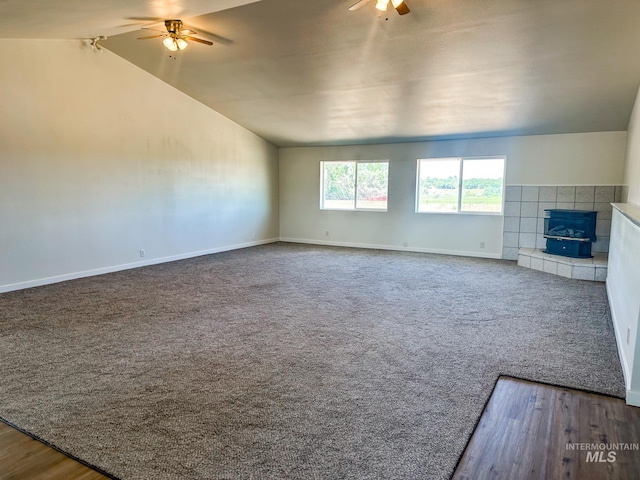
[{"x": 291, "y": 361}]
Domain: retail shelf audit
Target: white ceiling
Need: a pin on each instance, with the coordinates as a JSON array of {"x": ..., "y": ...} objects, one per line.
[{"x": 309, "y": 72}]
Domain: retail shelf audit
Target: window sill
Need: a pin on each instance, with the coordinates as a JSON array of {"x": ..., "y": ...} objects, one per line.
[
  {"x": 353, "y": 210},
  {"x": 489, "y": 214}
]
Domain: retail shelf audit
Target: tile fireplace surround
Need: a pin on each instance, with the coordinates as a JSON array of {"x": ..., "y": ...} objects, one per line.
[
  {"x": 594, "y": 269},
  {"x": 524, "y": 213}
]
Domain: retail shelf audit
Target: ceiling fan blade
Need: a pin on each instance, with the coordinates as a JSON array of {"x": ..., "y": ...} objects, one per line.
[
  {"x": 219, "y": 39},
  {"x": 155, "y": 29},
  {"x": 153, "y": 36},
  {"x": 358, "y": 4},
  {"x": 146, "y": 19},
  {"x": 141, "y": 21},
  {"x": 196, "y": 39},
  {"x": 403, "y": 9}
]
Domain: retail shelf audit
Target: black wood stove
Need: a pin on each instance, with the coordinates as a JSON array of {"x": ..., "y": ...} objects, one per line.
[{"x": 570, "y": 233}]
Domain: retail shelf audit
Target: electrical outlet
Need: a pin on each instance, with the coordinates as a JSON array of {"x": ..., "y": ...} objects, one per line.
[
  {"x": 142, "y": 252},
  {"x": 326, "y": 233},
  {"x": 482, "y": 245},
  {"x": 628, "y": 335}
]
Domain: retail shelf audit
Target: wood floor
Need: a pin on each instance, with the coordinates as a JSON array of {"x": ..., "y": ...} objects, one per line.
[
  {"x": 22, "y": 457},
  {"x": 535, "y": 431},
  {"x": 526, "y": 432}
]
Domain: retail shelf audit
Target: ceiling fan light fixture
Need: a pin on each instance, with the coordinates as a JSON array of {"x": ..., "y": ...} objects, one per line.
[
  {"x": 176, "y": 38},
  {"x": 175, "y": 43},
  {"x": 382, "y": 5},
  {"x": 400, "y": 6},
  {"x": 182, "y": 44},
  {"x": 170, "y": 43}
]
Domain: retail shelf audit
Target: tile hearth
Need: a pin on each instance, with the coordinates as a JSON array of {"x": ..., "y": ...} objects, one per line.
[{"x": 594, "y": 269}]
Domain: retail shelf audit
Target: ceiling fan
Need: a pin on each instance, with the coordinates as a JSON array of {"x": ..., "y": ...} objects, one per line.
[
  {"x": 176, "y": 37},
  {"x": 400, "y": 6}
]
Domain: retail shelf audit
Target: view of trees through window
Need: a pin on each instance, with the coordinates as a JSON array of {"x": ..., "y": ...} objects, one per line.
[
  {"x": 355, "y": 185},
  {"x": 339, "y": 180},
  {"x": 460, "y": 185},
  {"x": 443, "y": 185}
]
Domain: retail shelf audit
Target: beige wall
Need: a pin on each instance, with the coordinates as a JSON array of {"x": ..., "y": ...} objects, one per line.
[
  {"x": 99, "y": 159},
  {"x": 575, "y": 159},
  {"x": 632, "y": 166}
]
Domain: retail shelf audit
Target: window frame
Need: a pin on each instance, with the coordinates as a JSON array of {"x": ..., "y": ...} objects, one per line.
[
  {"x": 461, "y": 161},
  {"x": 355, "y": 190}
]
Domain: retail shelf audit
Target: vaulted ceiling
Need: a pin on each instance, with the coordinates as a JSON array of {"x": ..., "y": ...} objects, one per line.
[{"x": 310, "y": 72}]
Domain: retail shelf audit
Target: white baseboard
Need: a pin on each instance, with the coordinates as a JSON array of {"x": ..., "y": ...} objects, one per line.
[
  {"x": 376, "y": 246},
  {"x": 127, "y": 266},
  {"x": 633, "y": 398}
]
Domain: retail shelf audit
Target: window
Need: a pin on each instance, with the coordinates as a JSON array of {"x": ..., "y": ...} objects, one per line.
[
  {"x": 469, "y": 185},
  {"x": 354, "y": 185}
]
